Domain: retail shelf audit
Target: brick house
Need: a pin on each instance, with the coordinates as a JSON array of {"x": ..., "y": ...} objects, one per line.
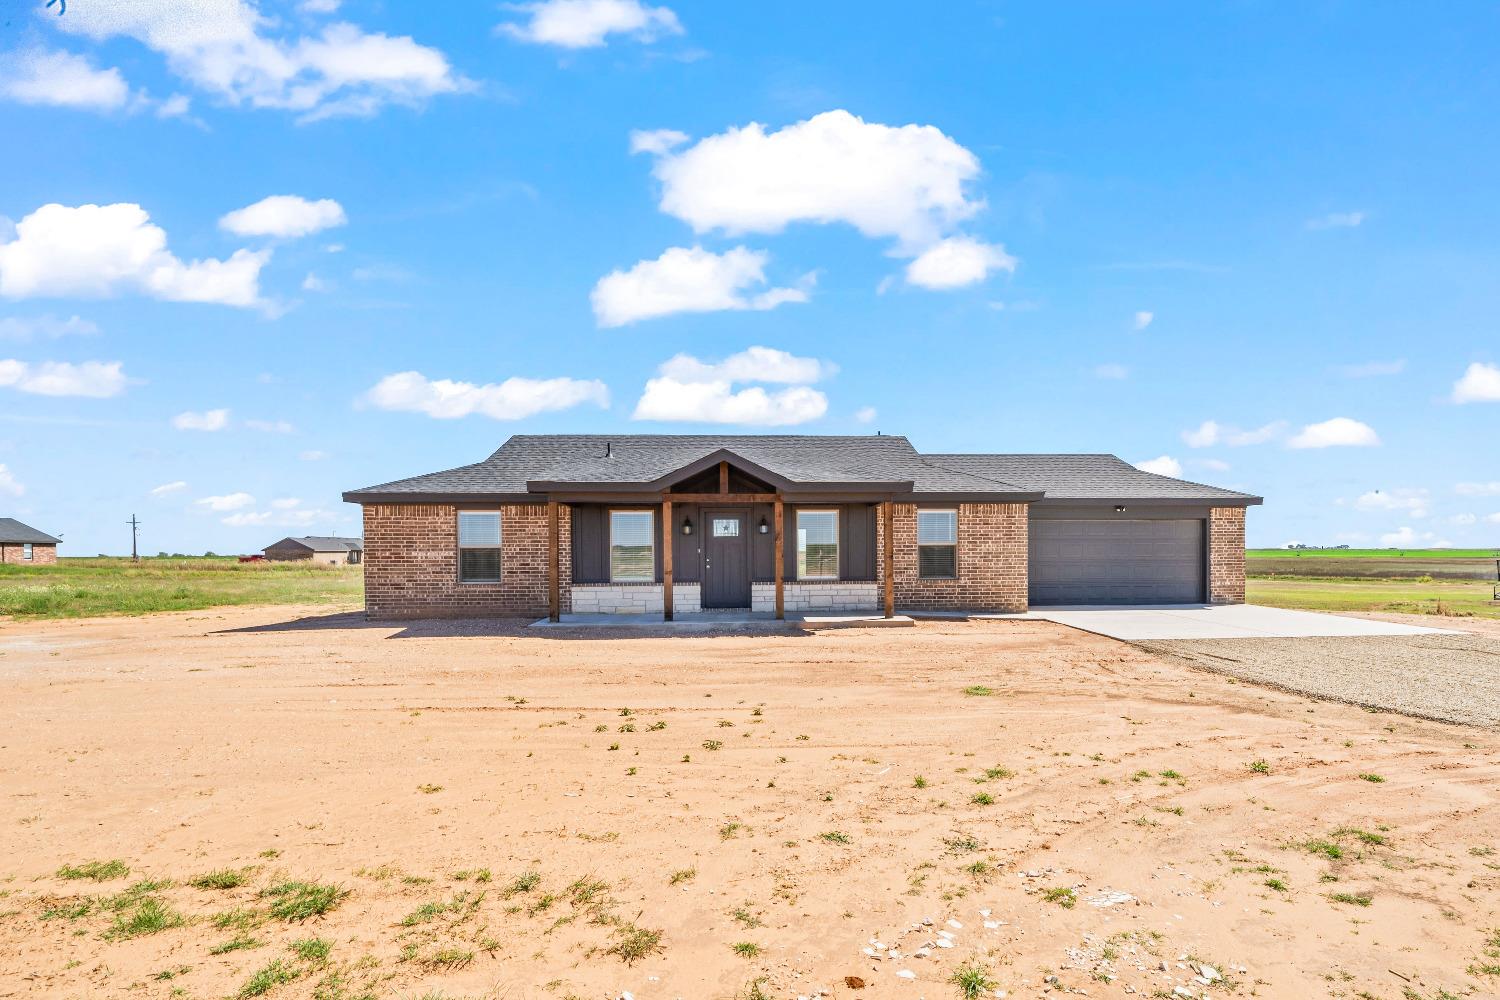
[
  {"x": 324, "y": 550},
  {"x": 23, "y": 545},
  {"x": 677, "y": 524}
]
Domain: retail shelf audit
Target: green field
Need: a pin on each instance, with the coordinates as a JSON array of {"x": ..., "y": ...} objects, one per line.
[
  {"x": 76, "y": 588},
  {"x": 1411, "y": 581},
  {"x": 1490, "y": 554},
  {"x": 1440, "y": 597}
]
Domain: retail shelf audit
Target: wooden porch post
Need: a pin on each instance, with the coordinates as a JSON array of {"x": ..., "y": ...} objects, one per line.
[
  {"x": 890, "y": 560},
  {"x": 554, "y": 588},
  {"x": 666, "y": 560},
  {"x": 776, "y": 560}
]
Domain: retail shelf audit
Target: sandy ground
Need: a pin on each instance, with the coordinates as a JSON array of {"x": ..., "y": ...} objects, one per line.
[{"x": 1122, "y": 839}]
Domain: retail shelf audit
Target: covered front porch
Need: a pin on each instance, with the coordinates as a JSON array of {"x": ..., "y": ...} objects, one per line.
[{"x": 709, "y": 544}]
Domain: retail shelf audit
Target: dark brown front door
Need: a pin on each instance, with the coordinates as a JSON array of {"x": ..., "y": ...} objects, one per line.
[{"x": 726, "y": 558}]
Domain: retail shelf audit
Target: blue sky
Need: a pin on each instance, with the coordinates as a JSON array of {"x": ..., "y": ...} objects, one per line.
[{"x": 254, "y": 255}]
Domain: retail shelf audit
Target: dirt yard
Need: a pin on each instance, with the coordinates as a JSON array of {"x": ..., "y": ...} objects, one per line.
[{"x": 335, "y": 810}]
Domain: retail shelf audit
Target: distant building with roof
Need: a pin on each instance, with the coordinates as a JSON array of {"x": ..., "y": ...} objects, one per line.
[
  {"x": 328, "y": 550},
  {"x": 23, "y": 545}
]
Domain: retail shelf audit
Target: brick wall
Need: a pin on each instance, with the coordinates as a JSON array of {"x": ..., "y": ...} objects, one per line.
[
  {"x": 15, "y": 553},
  {"x": 1226, "y": 555},
  {"x": 411, "y": 563},
  {"x": 992, "y": 547}
]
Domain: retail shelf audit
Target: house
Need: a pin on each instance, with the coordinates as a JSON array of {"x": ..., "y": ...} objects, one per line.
[
  {"x": 675, "y": 524},
  {"x": 23, "y": 545},
  {"x": 323, "y": 549}
]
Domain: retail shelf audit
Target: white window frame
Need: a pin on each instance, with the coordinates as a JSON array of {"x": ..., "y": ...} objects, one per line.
[
  {"x": 801, "y": 551},
  {"x": 609, "y": 553},
  {"x": 499, "y": 547},
  {"x": 949, "y": 545},
  {"x": 27, "y": 552}
]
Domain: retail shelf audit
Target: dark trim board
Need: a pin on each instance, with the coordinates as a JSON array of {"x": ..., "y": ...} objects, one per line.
[{"x": 1134, "y": 511}]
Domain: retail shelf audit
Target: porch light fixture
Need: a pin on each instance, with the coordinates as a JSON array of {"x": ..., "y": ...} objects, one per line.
[
  {"x": 764, "y": 527},
  {"x": 687, "y": 526},
  {"x": 1119, "y": 508}
]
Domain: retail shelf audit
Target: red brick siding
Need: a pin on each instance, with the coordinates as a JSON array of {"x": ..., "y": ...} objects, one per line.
[
  {"x": 411, "y": 563},
  {"x": 15, "y": 553},
  {"x": 1226, "y": 555},
  {"x": 992, "y": 549}
]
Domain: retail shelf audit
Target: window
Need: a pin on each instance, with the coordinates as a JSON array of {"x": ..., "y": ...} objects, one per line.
[
  {"x": 632, "y": 549},
  {"x": 726, "y": 527},
  {"x": 817, "y": 545},
  {"x": 479, "y": 546},
  {"x": 26, "y": 551},
  {"x": 937, "y": 544}
]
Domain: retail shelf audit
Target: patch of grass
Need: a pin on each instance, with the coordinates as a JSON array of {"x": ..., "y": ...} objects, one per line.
[
  {"x": 682, "y": 875},
  {"x": 836, "y": 837},
  {"x": 1275, "y": 883},
  {"x": 269, "y": 976},
  {"x": 294, "y": 901},
  {"x": 446, "y": 959},
  {"x": 222, "y": 878},
  {"x": 919, "y": 782},
  {"x": 972, "y": 981},
  {"x": 524, "y": 882},
  {"x": 313, "y": 949},
  {"x": 149, "y": 916},
  {"x": 95, "y": 871},
  {"x": 713, "y": 745},
  {"x": 1061, "y": 895},
  {"x": 978, "y": 691},
  {"x": 1352, "y": 898},
  {"x": 983, "y": 799},
  {"x": 1373, "y": 779},
  {"x": 238, "y": 918},
  {"x": 1327, "y": 848},
  {"x": 728, "y": 830},
  {"x": 635, "y": 943},
  {"x": 746, "y": 949},
  {"x": 963, "y": 843},
  {"x": 746, "y": 919},
  {"x": 480, "y": 875},
  {"x": 237, "y": 943},
  {"x": 429, "y": 789},
  {"x": 1363, "y": 836},
  {"x": 1259, "y": 767}
]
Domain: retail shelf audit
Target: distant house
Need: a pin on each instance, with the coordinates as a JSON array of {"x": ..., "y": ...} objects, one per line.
[
  {"x": 326, "y": 550},
  {"x": 23, "y": 545}
]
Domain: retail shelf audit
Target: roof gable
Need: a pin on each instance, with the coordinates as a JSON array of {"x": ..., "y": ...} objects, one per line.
[{"x": 13, "y": 532}]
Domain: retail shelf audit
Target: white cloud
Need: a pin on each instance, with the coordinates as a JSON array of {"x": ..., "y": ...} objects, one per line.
[
  {"x": 1462, "y": 519},
  {"x": 313, "y": 283},
  {"x": 226, "y": 47},
  {"x": 1493, "y": 518},
  {"x": 957, "y": 261},
  {"x": 281, "y": 518},
  {"x": 229, "y": 501},
  {"x": 8, "y": 482},
  {"x": 101, "y": 250},
  {"x": 1340, "y": 432},
  {"x": 318, "y": 6},
  {"x": 1142, "y": 319},
  {"x": 689, "y": 280},
  {"x": 1336, "y": 220},
  {"x": 1406, "y": 538},
  {"x": 271, "y": 426},
  {"x": 284, "y": 215},
  {"x": 96, "y": 379},
  {"x": 208, "y": 420},
  {"x": 1372, "y": 369},
  {"x": 1111, "y": 371},
  {"x": 312, "y": 455},
  {"x": 62, "y": 79},
  {"x": 176, "y": 486},
  {"x": 1214, "y": 464},
  {"x": 1414, "y": 502},
  {"x": 1211, "y": 432},
  {"x": 583, "y": 24},
  {"x": 49, "y": 326},
  {"x": 174, "y": 107},
  {"x": 657, "y": 142},
  {"x": 754, "y": 364},
  {"x": 1165, "y": 465},
  {"x": 866, "y": 414},
  {"x": 1491, "y": 489},
  {"x": 718, "y": 403},
  {"x": 1480, "y": 383},
  {"x": 905, "y": 182},
  {"x": 513, "y": 399}
]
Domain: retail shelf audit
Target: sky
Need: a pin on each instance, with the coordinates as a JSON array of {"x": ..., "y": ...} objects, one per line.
[{"x": 256, "y": 254}]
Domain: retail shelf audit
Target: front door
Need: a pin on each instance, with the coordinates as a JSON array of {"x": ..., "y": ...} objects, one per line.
[{"x": 726, "y": 558}]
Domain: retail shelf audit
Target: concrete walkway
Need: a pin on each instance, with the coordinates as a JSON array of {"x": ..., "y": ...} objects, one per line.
[{"x": 1231, "y": 621}]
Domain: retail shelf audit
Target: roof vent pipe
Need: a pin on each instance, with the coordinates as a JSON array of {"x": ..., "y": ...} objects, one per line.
[{"x": 609, "y": 449}]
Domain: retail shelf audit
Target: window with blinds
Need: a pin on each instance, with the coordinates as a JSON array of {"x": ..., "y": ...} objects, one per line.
[
  {"x": 817, "y": 545},
  {"x": 937, "y": 544},
  {"x": 479, "y": 546},
  {"x": 632, "y": 546}
]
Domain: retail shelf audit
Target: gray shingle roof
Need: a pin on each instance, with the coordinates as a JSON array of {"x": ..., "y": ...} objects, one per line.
[
  {"x": 323, "y": 543},
  {"x": 13, "y": 532},
  {"x": 882, "y": 462},
  {"x": 1085, "y": 477}
]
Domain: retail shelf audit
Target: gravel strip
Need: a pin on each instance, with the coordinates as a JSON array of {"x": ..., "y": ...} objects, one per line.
[{"x": 1448, "y": 678}]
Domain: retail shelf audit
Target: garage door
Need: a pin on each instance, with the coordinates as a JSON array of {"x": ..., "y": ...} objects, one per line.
[{"x": 1116, "y": 562}]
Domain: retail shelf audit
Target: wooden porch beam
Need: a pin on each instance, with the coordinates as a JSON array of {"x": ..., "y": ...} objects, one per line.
[
  {"x": 554, "y": 585},
  {"x": 666, "y": 560},
  {"x": 777, "y": 561},
  {"x": 890, "y": 558},
  {"x": 723, "y": 477},
  {"x": 720, "y": 497}
]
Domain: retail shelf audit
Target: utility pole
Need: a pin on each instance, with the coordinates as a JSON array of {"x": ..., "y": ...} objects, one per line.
[{"x": 135, "y": 530}]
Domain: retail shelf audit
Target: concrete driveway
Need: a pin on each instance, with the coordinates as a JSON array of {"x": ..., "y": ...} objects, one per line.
[{"x": 1232, "y": 621}]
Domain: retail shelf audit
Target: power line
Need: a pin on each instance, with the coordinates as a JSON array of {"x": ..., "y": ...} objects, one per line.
[{"x": 135, "y": 530}]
